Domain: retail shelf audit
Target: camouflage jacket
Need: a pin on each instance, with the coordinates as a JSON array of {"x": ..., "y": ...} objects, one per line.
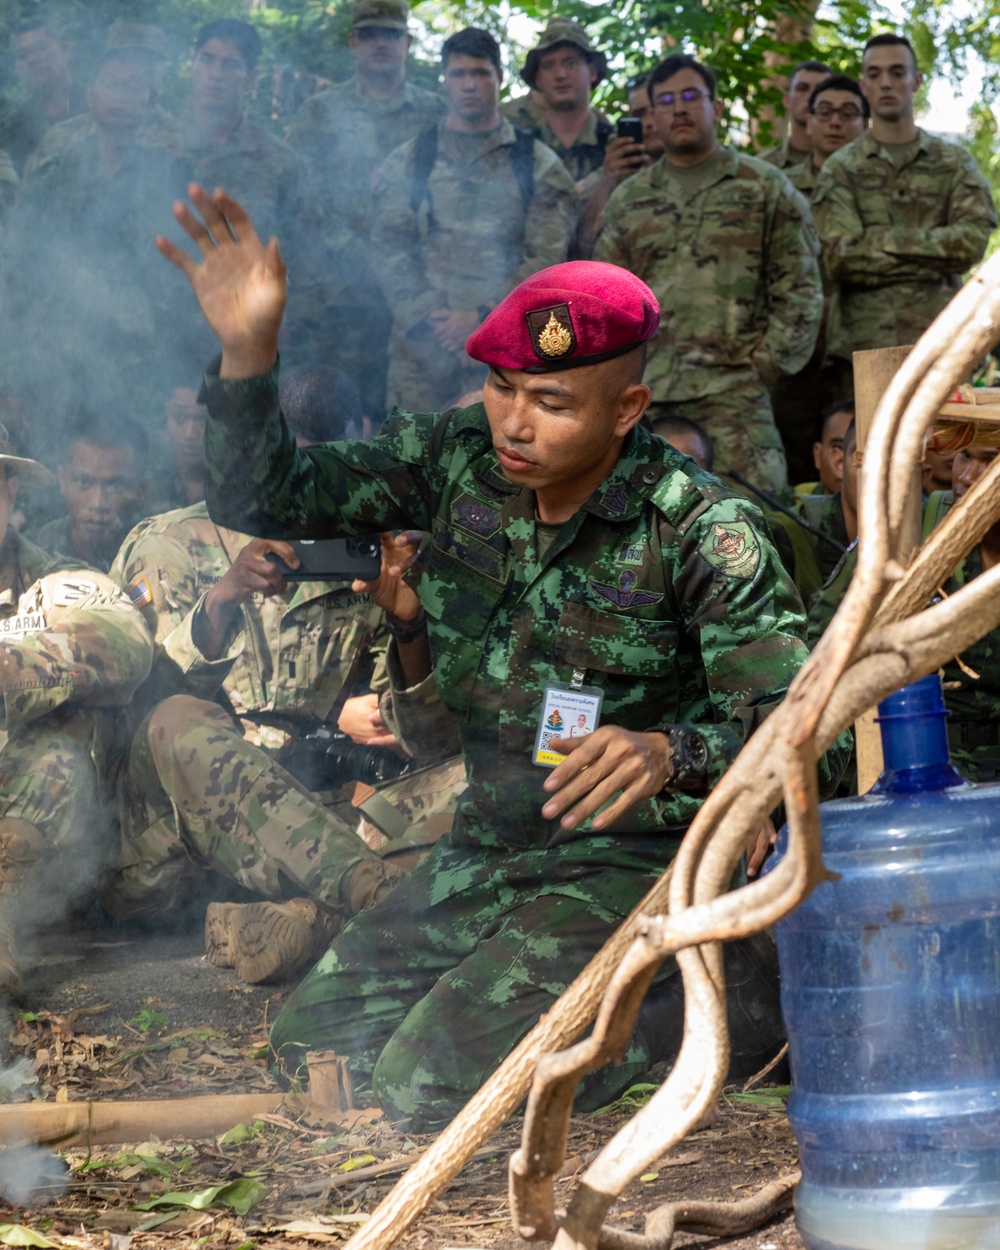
[
  {"x": 583, "y": 157},
  {"x": 897, "y": 240},
  {"x": 734, "y": 268},
  {"x": 661, "y": 591},
  {"x": 470, "y": 239},
  {"x": 344, "y": 136},
  {"x": 783, "y": 155},
  {"x": 67, "y": 636},
  {"x": 803, "y": 177},
  {"x": 295, "y": 657}
]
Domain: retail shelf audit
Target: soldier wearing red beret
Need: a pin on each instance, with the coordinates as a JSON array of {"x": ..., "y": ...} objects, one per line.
[{"x": 576, "y": 565}]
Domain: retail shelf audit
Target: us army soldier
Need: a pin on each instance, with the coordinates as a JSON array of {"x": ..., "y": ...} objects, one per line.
[
  {"x": 462, "y": 212},
  {"x": 901, "y": 213},
  {"x": 730, "y": 250},
  {"x": 245, "y": 667},
  {"x": 72, "y": 648}
]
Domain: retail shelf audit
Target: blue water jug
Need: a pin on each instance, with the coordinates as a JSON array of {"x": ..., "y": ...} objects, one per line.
[{"x": 890, "y": 990}]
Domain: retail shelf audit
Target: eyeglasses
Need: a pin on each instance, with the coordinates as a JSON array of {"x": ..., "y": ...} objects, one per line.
[
  {"x": 846, "y": 112},
  {"x": 668, "y": 99}
]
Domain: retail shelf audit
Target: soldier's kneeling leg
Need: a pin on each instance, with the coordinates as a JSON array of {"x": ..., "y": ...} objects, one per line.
[{"x": 244, "y": 816}]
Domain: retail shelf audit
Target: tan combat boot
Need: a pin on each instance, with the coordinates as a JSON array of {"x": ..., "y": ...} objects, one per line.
[
  {"x": 267, "y": 941},
  {"x": 21, "y": 848}
]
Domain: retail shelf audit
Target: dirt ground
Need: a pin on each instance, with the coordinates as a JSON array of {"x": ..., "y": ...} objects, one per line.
[{"x": 120, "y": 1015}]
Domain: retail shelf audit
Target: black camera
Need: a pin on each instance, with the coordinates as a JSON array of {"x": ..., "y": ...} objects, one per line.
[{"x": 327, "y": 758}]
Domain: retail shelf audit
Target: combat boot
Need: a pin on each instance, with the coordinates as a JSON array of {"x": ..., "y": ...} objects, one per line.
[
  {"x": 20, "y": 850},
  {"x": 267, "y": 941}
]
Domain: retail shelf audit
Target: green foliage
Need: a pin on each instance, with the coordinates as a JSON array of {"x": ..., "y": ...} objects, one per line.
[
  {"x": 149, "y": 1021},
  {"x": 240, "y": 1195}
]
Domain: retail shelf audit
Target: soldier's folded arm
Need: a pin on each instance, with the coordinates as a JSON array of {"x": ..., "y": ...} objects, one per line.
[
  {"x": 795, "y": 291},
  {"x": 94, "y": 649}
]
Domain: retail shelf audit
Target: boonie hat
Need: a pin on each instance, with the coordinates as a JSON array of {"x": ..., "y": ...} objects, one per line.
[
  {"x": 563, "y": 30},
  {"x": 577, "y": 313},
  {"x": 30, "y": 470},
  {"x": 389, "y": 14}
]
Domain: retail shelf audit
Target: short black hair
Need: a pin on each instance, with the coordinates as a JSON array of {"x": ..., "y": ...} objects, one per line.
[
  {"x": 473, "y": 41},
  {"x": 839, "y": 82},
  {"x": 815, "y": 67},
  {"x": 319, "y": 402},
  {"x": 840, "y": 405},
  {"x": 889, "y": 40},
  {"x": 665, "y": 426},
  {"x": 232, "y": 30},
  {"x": 674, "y": 64},
  {"x": 36, "y": 17},
  {"x": 108, "y": 432}
]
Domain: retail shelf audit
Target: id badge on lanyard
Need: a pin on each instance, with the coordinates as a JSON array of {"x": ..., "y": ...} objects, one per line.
[{"x": 569, "y": 710}]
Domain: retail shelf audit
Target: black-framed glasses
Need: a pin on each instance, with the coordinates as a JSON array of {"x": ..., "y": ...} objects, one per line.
[
  {"x": 846, "y": 112},
  {"x": 669, "y": 99}
]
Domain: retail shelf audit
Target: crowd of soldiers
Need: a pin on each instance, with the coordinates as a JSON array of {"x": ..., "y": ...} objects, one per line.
[{"x": 190, "y": 723}]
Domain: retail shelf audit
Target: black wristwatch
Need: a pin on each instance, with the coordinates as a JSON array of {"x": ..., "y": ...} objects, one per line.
[{"x": 688, "y": 755}]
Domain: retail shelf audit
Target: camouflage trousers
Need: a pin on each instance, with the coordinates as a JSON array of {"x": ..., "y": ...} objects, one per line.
[
  {"x": 196, "y": 796},
  {"x": 428, "y": 991},
  {"x": 741, "y": 426},
  {"x": 49, "y": 779},
  {"x": 423, "y": 376}
]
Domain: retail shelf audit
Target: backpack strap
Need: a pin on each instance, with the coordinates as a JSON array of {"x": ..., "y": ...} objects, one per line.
[
  {"x": 425, "y": 148},
  {"x": 523, "y": 159}
]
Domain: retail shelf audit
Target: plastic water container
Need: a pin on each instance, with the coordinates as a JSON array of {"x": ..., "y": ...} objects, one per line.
[{"x": 891, "y": 998}]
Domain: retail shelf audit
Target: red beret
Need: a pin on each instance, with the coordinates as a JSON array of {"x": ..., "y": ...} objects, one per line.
[{"x": 578, "y": 313}]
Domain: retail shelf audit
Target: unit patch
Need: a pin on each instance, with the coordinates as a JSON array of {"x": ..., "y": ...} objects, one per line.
[
  {"x": 69, "y": 592},
  {"x": 624, "y": 595},
  {"x": 732, "y": 548},
  {"x": 476, "y": 516}
]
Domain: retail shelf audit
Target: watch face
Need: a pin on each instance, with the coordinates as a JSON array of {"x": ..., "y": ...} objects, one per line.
[{"x": 697, "y": 753}]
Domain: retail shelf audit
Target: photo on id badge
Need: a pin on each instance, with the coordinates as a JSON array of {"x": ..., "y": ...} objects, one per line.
[{"x": 567, "y": 712}]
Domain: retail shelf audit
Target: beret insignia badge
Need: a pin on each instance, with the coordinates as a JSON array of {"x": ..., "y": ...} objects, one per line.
[{"x": 552, "y": 333}]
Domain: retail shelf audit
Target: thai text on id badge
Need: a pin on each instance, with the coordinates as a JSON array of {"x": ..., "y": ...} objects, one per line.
[{"x": 568, "y": 711}]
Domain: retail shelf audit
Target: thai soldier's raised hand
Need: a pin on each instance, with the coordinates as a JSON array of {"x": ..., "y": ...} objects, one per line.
[{"x": 240, "y": 284}]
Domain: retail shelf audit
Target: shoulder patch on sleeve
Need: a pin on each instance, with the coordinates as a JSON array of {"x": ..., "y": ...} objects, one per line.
[
  {"x": 140, "y": 593},
  {"x": 733, "y": 548},
  {"x": 69, "y": 591}
]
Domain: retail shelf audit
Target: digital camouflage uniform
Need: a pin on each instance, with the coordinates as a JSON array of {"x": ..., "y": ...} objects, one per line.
[
  {"x": 72, "y": 648},
  {"x": 470, "y": 240},
  {"x": 897, "y": 233},
  {"x": 734, "y": 267},
  {"x": 344, "y": 136},
  {"x": 659, "y": 590},
  {"x": 972, "y": 692},
  {"x": 202, "y": 788}
]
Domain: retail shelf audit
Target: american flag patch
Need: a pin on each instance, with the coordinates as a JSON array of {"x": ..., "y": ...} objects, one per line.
[{"x": 140, "y": 594}]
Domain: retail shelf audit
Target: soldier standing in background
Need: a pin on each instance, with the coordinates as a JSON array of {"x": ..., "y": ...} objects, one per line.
[
  {"x": 72, "y": 649},
  {"x": 729, "y": 247},
  {"x": 42, "y": 65},
  {"x": 462, "y": 213},
  {"x": 795, "y": 146},
  {"x": 345, "y": 134},
  {"x": 562, "y": 71},
  {"x": 902, "y": 215},
  {"x": 838, "y": 114}
]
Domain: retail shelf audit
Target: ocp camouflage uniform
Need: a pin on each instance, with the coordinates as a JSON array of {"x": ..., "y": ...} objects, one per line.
[
  {"x": 72, "y": 649},
  {"x": 584, "y": 157},
  {"x": 344, "y": 136},
  {"x": 802, "y": 176},
  {"x": 202, "y": 788},
  {"x": 972, "y": 688},
  {"x": 659, "y": 590},
  {"x": 733, "y": 264},
  {"x": 469, "y": 240},
  {"x": 898, "y": 229},
  {"x": 784, "y": 155}
]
